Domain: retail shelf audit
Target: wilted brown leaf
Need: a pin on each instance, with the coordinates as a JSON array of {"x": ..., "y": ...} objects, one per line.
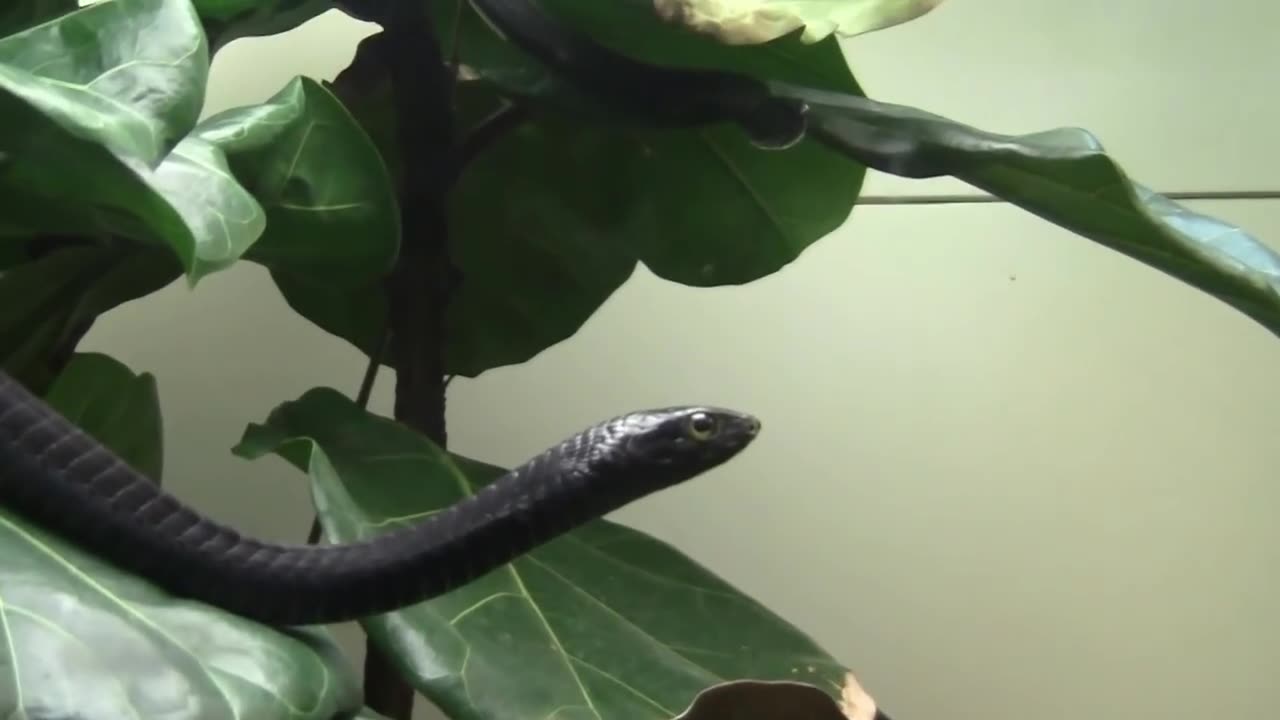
[{"x": 781, "y": 700}]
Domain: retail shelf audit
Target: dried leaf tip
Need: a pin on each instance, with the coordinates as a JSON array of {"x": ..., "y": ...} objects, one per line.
[{"x": 855, "y": 702}]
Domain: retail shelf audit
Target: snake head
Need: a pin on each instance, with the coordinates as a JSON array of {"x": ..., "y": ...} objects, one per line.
[{"x": 671, "y": 445}]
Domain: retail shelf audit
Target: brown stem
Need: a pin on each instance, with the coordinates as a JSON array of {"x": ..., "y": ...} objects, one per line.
[
  {"x": 490, "y": 130},
  {"x": 419, "y": 286}
]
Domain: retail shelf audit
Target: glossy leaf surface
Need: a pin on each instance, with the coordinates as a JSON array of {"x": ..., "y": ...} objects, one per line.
[
  {"x": 120, "y": 158},
  {"x": 46, "y": 302},
  {"x": 632, "y": 27},
  {"x": 227, "y": 20},
  {"x": 329, "y": 202},
  {"x": 1066, "y": 177},
  {"x": 90, "y": 106},
  {"x": 129, "y": 74},
  {"x": 603, "y": 622},
  {"x": 18, "y": 15},
  {"x": 581, "y": 203},
  {"x": 122, "y": 408},
  {"x": 83, "y": 640}
]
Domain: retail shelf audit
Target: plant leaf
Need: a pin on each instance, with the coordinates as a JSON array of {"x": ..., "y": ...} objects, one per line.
[
  {"x": 583, "y": 202},
  {"x": 93, "y": 106},
  {"x": 82, "y": 639},
  {"x": 45, "y": 302},
  {"x": 740, "y": 22},
  {"x": 633, "y": 28},
  {"x": 221, "y": 218},
  {"x": 18, "y": 15},
  {"x": 605, "y": 619},
  {"x": 227, "y": 20},
  {"x": 780, "y": 700},
  {"x": 68, "y": 114},
  {"x": 331, "y": 210},
  {"x": 1066, "y": 177},
  {"x": 130, "y": 74},
  {"x": 11, "y": 253},
  {"x": 97, "y": 391}
]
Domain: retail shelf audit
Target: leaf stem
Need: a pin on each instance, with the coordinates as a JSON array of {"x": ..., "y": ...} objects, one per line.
[
  {"x": 362, "y": 399},
  {"x": 490, "y": 130}
]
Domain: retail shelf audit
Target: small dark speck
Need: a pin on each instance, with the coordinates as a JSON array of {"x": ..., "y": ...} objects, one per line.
[{"x": 1013, "y": 278}]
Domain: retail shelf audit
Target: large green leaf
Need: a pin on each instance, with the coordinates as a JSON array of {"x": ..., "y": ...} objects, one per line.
[
  {"x": 604, "y": 622},
  {"x": 632, "y": 28},
  {"x": 582, "y": 204},
  {"x": 128, "y": 74},
  {"x": 11, "y": 253},
  {"x": 92, "y": 108},
  {"x": 227, "y": 20},
  {"x": 579, "y": 203},
  {"x": 45, "y": 302},
  {"x": 83, "y": 640},
  {"x": 1066, "y": 177},
  {"x": 122, "y": 408},
  {"x": 91, "y": 147},
  {"x": 221, "y": 218},
  {"x": 331, "y": 212},
  {"x": 18, "y": 15}
]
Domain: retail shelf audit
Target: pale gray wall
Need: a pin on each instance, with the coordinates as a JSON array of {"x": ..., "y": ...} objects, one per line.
[{"x": 1006, "y": 474}]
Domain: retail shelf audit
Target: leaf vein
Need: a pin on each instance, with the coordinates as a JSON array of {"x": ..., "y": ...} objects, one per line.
[
  {"x": 13, "y": 655},
  {"x": 481, "y": 603},
  {"x": 625, "y": 620},
  {"x": 55, "y": 627},
  {"x": 111, "y": 597},
  {"x": 555, "y": 638},
  {"x": 651, "y": 574},
  {"x": 614, "y": 678}
]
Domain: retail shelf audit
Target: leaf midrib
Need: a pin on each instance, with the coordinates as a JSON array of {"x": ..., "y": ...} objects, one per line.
[{"x": 465, "y": 487}]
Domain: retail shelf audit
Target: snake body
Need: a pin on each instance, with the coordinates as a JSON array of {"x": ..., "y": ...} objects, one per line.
[
  {"x": 61, "y": 478},
  {"x": 648, "y": 93}
]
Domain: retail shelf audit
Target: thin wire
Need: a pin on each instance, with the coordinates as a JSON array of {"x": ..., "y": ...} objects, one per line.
[{"x": 978, "y": 199}]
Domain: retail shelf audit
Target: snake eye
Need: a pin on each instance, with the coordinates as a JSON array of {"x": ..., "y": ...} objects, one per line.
[{"x": 702, "y": 426}]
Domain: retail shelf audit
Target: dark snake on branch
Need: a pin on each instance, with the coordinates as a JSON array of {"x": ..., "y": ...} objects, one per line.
[
  {"x": 653, "y": 95},
  {"x": 58, "y": 476},
  {"x": 61, "y": 478}
]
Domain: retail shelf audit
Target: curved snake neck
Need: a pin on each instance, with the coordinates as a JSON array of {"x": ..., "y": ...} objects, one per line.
[
  {"x": 661, "y": 95},
  {"x": 58, "y": 476}
]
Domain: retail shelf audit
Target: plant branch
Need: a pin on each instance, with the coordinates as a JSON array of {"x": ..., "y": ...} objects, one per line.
[
  {"x": 490, "y": 130},
  {"x": 362, "y": 399},
  {"x": 419, "y": 285}
]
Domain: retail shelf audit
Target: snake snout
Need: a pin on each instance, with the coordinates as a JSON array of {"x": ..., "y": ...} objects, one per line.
[{"x": 741, "y": 428}]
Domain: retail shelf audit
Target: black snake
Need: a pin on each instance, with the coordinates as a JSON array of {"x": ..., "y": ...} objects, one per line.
[
  {"x": 58, "y": 476},
  {"x": 654, "y": 95}
]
